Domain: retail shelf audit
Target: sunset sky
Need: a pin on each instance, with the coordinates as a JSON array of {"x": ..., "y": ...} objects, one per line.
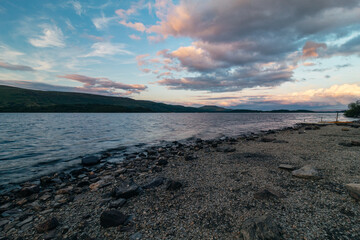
[{"x": 254, "y": 54}]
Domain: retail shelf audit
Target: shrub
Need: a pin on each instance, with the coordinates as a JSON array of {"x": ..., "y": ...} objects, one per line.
[{"x": 354, "y": 109}]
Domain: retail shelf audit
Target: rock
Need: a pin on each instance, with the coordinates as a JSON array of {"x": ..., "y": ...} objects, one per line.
[
  {"x": 117, "y": 203},
  {"x": 267, "y": 194},
  {"x": 354, "y": 190},
  {"x": 287, "y": 167},
  {"x": 260, "y": 228},
  {"x": 345, "y": 129},
  {"x": 90, "y": 160},
  {"x": 226, "y": 149},
  {"x": 265, "y": 139},
  {"x": 190, "y": 157},
  {"x": 306, "y": 172},
  {"x": 355, "y": 143},
  {"x": 345, "y": 144},
  {"x": 173, "y": 185},
  {"x": 47, "y": 225},
  {"x": 83, "y": 183},
  {"x": 65, "y": 190},
  {"x": 280, "y": 141},
  {"x": 162, "y": 162},
  {"x": 154, "y": 183},
  {"x": 27, "y": 191},
  {"x": 99, "y": 184},
  {"x": 136, "y": 236},
  {"x": 126, "y": 191},
  {"x": 45, "y": 180},
  {"x": 112, "y": 218},
  {"x": 5, "y": 207}
]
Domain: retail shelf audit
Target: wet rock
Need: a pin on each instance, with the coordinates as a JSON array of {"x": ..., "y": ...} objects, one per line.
[
  {"x": 46, "y": 180},
  {"x": 172, "y": 185},
  {"x": 154, "y": 183},
  {"x": 90, "y": 160},
  {"x": 260, "y": 228},
  {"x": 99, "y": 184},
  {"x": 355, "y": 143},
  {"x": 5, "y": 207},
  {"x": 47, "y": 225},
  {"x": 226, "y": 149},
  {"x": 67, "y": 190},
  {"x": 136, "y": 236},
  {"x": 126, "y": 191},
  {"x": 112, "y": 218},
  {"x": 27, "y": 191},
  {"x": 117, "y": 203},
  {"x": 354, "y": 190},
  {"x": 280, "y": 141},
  {"x": 306, "y": 172},
  {"x": 83, "y": 184},
  {"x": 345, "y": 129},
  {"x": 287, "y": 167},
  {"x": 345, "y": 144}
]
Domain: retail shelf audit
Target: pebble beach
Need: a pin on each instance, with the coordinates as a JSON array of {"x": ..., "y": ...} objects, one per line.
[{"x": 301, "y": 182}]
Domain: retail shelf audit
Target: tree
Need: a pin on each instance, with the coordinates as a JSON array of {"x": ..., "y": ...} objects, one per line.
[{"x": 354, "y": 109}]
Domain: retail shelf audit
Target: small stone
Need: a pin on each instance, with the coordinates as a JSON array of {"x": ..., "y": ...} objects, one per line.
[
  {"x": 65, "y": 190},
  {"x": 136, "y": 236},
  {"x": 162, "y": 162},
  {"x": 126, "y": 191},
  {"x": 345, "y": 129},
  {"x": 355, "y": 143},
  {"x": 268, "y": 194},
  {"x": 306, "y": 172},
  {"x": 154, "y": 183},
  {"x": 173, "y": 185},
  {"x": 190, "y": 157},
  {"x": 27, "y": 191},
  {"x": 90, "y": 160},
  {"x": 260, "y": 228},
  {"x": 287, "y": 167},
  {"x": 354, "y": 190},
  {"x": 99, "y": 184},
  {"x": 266, "y": 139},
  {"x": 117, "y": 203},
  {"x": 47, "y": 225},
  {"x": 5, "y": 207},
  {"x": 112, "y": 218},
  {"x": 45, "y": 197}
]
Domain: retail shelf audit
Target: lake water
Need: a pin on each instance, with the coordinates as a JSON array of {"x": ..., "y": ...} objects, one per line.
[{"x": 35, "y": 144}]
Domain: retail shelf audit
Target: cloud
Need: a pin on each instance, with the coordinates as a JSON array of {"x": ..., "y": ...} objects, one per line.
[
  {"x": 101, "y": 49},
  {"x": 122, "y": 13},
  {"x": 10, "y": 54},
  {"x": 134, "y": 37},
  {"x": 138, "y": 26},
  {"x": 93, "y": 37},
  {"x": 232, "y": 38},
  {"x": 13, "y": 67},
  {"x": 69, "y": 25},
  {"x": 102, "y": 22},
  {"x": 52, "y": 37},
  {"x": 311, "y": 49},
  {"x": 77, "y": 7},
  {"x": 103, "y": 84}
]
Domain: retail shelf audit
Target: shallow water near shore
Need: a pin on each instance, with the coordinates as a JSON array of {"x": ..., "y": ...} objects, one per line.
[{"x": 35, "y": 144}]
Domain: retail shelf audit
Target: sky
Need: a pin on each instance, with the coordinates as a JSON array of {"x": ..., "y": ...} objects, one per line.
[{"x": 240, "y": 54}]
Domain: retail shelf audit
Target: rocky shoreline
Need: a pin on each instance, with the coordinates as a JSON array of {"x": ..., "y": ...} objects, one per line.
[{"x": 296, "y": 183}]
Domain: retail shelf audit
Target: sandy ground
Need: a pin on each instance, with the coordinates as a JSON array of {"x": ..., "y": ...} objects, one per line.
[{"x": 221, "y": 188}]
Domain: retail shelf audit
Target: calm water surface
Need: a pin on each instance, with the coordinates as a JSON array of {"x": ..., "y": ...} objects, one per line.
[{"x": 34, "y": 144}]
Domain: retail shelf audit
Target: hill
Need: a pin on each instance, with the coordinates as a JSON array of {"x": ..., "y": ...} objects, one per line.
[{"x": 14, "y": 99}]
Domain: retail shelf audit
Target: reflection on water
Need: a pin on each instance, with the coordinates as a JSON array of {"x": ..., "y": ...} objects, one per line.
[{"x": 33, "y": 144}]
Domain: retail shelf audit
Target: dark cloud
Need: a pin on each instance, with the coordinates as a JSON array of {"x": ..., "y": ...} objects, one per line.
[
  {"x": 234, "y": 34},
  {"x": 13, "y": 67}
]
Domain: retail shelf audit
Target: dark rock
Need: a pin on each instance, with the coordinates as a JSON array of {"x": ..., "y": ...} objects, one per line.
[
  {"x": 83, "y": 184},
  {"x": 126, "y": 191},
  {"x": 226, "y": 149},
  {"x": 27, "y": 191},
  {"x": 112, "y": 218},
  {"x": 265, "y": 139},
  {"x": 46, "y": 180},
  {"x": 190, "y": 157},
  {"x": 287, "y": 167},
  {"x": 355, "y": 143},
  {"x": 354, "y": 190},
  {"x": 345, "y": 144},
  {"x": 90, "y": 160},
  {"x": 47, "y": 225},
  {"x": 280, "y": 141},
  {"x": 5, "y": 207},
  {"x": 154, "y": 183},
  {"x": 162, "y": 162},
  {"x": 136, "y": 236},
  {"x": 117, "y": 203},
  {"x": 156, "y": 169},
  {"x": 173, "y": 185},
  {"x": 260, "y": 228}
]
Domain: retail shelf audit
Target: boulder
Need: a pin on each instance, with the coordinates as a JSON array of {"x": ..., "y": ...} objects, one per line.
[
  {"x": 90, "y": 160},
  {"x": 27, "y": 191},
  {"x": 260, "y": 228},
  {"x": 154, "y": 183},
  {"x": 306, "y": 172},
  {"x": 355, "y": 143},
  {"x": 47, "y": 225},
  {"x": 354, "y": 190},
  {"x": 112, "y": 218}
]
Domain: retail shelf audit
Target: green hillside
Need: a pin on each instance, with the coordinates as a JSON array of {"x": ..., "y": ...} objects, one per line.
[{"x": 24, "y": 100}]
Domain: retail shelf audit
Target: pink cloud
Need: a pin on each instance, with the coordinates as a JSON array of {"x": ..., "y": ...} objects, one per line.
[
  {"x": 138, "y": 26},
  {"x": 104, "y": 84},
  {"x": 311, "y": 49},
  {"x": 134, "y": 37}
]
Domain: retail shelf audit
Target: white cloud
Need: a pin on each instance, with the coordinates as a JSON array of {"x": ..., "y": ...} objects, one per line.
[
  {"x": 134, "y": 37},
  {"x": 102, "y": 22},
  {"x": 101, "y": 49},
  {"x": 9, "y": 54},
  {"x": 77, "y": 7},
  {"x": 52, "y": 37},
  {"x": 69, "y": 25}
]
